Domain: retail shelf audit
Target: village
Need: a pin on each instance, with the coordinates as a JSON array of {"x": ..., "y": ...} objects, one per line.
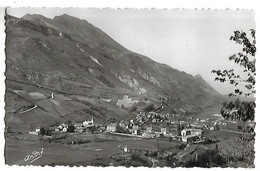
[
  {"x": 182, "y": 138},
  {"x": 161, "y": 139},
  {"x": 149, "y": 138},
  {"x": 149, "y": 125}
]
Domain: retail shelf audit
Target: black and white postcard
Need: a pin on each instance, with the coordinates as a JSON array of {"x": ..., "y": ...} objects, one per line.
[{"x": 130, "y": 87}]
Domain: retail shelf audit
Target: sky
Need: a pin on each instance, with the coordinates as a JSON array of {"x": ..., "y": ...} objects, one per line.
[{"x": 193, "y": 41}]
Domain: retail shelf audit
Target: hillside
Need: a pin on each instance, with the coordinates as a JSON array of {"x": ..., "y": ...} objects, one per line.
[{"x": 90, "y": 74}]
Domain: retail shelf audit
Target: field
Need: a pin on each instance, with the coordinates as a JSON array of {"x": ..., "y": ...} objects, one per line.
[
  {"x": 60, "y": 108},
  {"x": 240, "y": 151},
  {"x": 99, "y": 149}
]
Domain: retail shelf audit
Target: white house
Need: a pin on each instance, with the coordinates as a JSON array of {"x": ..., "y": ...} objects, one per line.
[
  {"x": 52, "y": 95},
  {"x": 111, "y": 127},
  {"x": 135, "y": 130},
  {"x": 125, "y": 149},
  {"x": 37, "y": 130},
  {"x": 148, "y": 135},
  {"x": 149, "y": 129},
  {"x": 64, "y": 129},
  {"x": 186, "y": 132},
  {"x": 163, "y": 131},
  {"x": 123, "y": 124},
  {"x": 189, "y": 135},
  {"x": 89, "y": 123},
  {"x": 62, "y": 126}
]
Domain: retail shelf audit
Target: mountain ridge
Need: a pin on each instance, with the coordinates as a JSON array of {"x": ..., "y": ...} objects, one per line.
[{"x": 66, "y": 54}]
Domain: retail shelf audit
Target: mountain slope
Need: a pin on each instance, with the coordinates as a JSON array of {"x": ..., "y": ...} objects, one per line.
[{"x": 72, "y": 57}]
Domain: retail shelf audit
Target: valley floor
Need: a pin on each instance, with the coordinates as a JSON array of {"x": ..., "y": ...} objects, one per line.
[
  {"x": 106, "y": 149},
  {"x": 98, "y": 149}
]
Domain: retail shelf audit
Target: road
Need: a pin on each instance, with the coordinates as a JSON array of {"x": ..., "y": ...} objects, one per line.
[{"x": 235, "y": 132}]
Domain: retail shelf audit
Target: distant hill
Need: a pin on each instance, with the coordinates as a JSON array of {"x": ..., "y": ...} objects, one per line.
[{"x": 92, "y": 72}]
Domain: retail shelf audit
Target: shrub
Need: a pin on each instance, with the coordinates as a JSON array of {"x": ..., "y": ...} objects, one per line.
[
  {"x": 82, "y": 141},
  {"x": 239, "y": 127},
  {"x": 208, "y": 158},
  {"x": 42, "y": 131},
  {"x": 140, "y": 160},
  {"x": 71, "y": 128},
  {"x": 149, "y": 108},
  {"x": 182, "y": 146}
]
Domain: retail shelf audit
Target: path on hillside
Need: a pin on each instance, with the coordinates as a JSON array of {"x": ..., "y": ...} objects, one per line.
[
  {"x": 160, "y": 109},
  {"x": 34, "y": 107}
]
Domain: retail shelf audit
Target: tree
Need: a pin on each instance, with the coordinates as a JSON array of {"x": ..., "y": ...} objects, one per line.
[
  {"x": 246, "y": 59},
  {"x": 237, "y": 110},
  {"x": 93, "y": 129},
  {"x": 71, "y": 128},
  {"x": 206, "y": 158},
  {"x": 42, "y": 131},
  {"x": 180, "y": 127}
]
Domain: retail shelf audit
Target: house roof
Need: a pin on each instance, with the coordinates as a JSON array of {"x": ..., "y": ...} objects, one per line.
[
  {"x": 195, "y": 130},
  {"x": 189, "y": 150},
  {"x": 190, "y": 136},
  {"x": 112, "y": 124},
  {"x": 149, "y": 133}
]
